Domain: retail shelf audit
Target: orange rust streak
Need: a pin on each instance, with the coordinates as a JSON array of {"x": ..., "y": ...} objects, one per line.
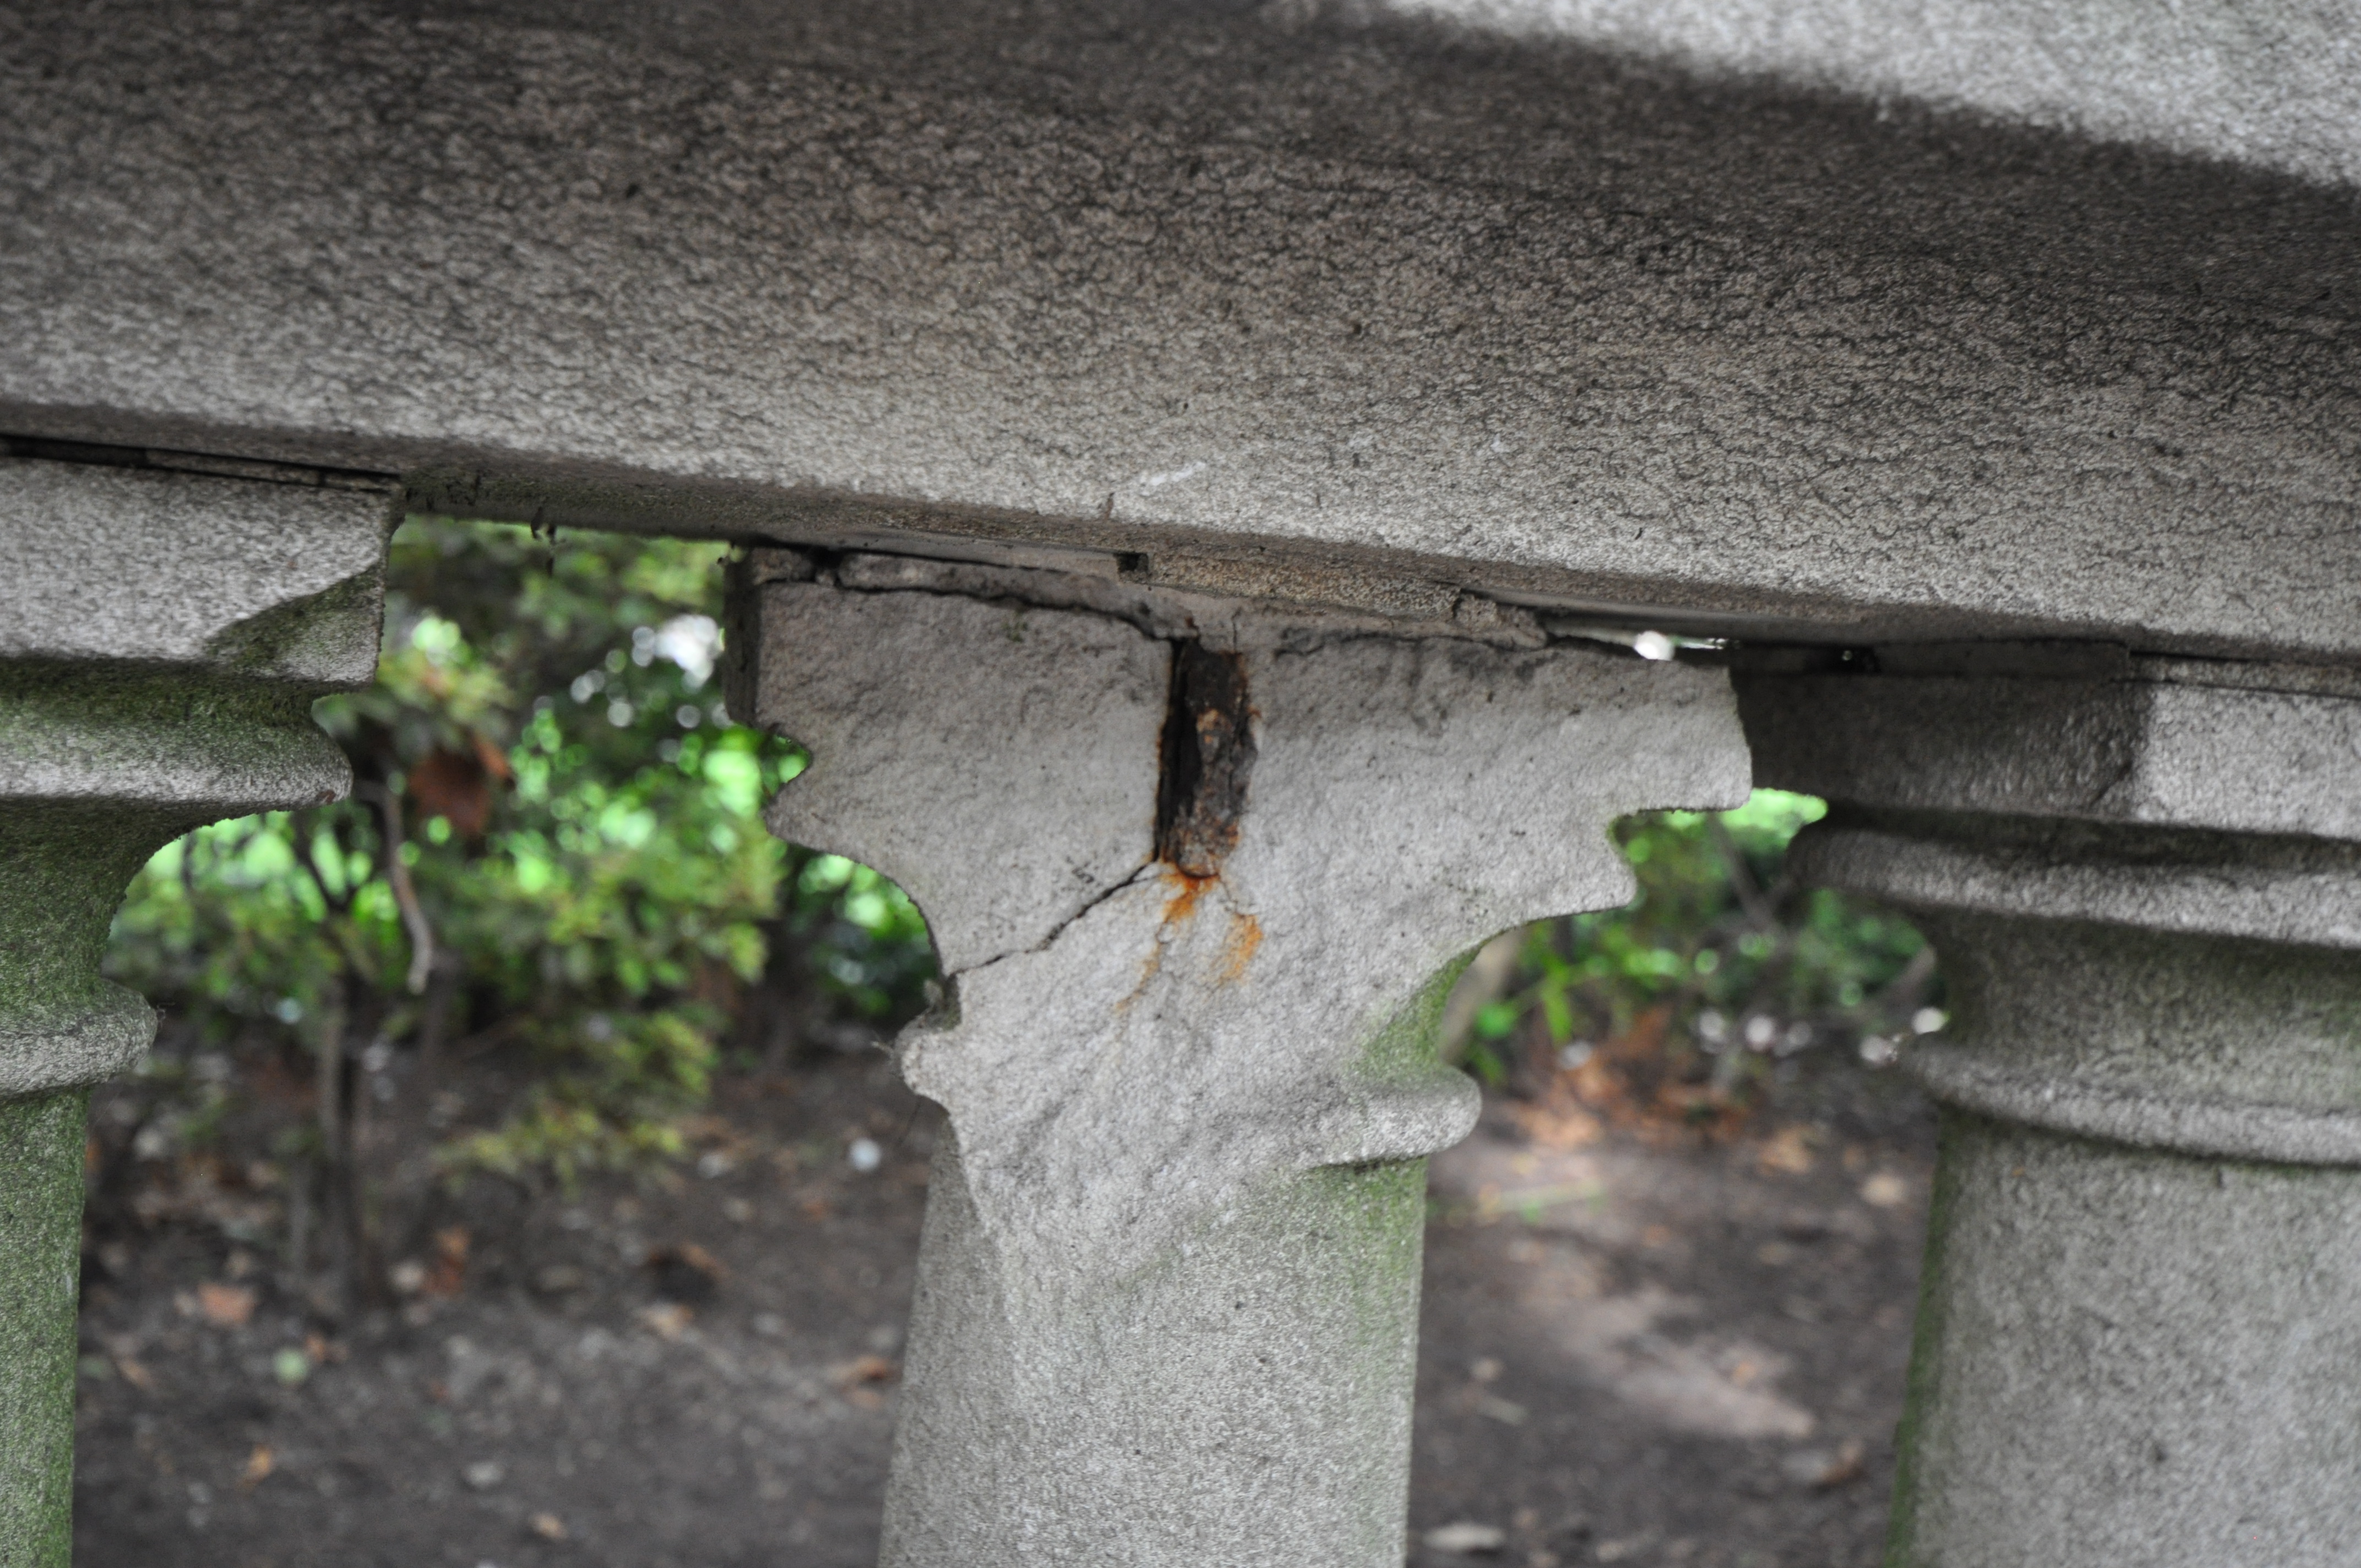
[
  {"x": 1183, "y": 903},
  {"x": 1154, "y": 961},
  {"x": 1238, "y": 948}
]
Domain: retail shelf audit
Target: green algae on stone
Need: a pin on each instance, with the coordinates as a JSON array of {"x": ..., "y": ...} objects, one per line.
[{"x": 40, "y": 1250}]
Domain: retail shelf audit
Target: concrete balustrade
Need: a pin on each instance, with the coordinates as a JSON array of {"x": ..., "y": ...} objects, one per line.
[
  {"x": 1203, "y": 427},
  {"x": 1198, "y": 873},
  {"x": 1198, "y": 866},
  {"x": 162, "y": 638},
  {"x": 2137, "y": 1340}
]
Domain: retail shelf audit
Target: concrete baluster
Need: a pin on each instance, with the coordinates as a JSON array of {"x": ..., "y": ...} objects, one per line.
[
  {"x": 2138, "y": 1339},
  {"x": 162, "y": 636},
  {"x": 1197, "y": 883}
]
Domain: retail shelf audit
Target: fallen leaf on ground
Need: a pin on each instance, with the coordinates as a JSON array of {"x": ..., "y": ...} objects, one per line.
[
  {"x": 1465, "y": 1538},
  {"x": 1886, "y": 1190},
  {"x": 1508, "y": 1412},
  {"x": 1557, "y": 1123},
  {"x": 449, "y": 1271},
  {"x": 135, "y": 1373},
  {"x": 549, "y": 1527},
  {"x": 226, "y": 1306},
  {"x": 855, "y": 1376},
  {"x": 669, "y": 1321},
  {"x": 1820, "y": 1470},
  {"x": 867, "y": 1369},
  {"x": 1846, "y": 1466},
  {"x": 258, "y": 1466},
  {"x": 685, "y": 1272},
  {"x": 1787, "y": 1151}
]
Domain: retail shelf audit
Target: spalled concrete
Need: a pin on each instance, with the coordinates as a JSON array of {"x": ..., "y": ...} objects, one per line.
[{"x": 1167, "y": 1300}]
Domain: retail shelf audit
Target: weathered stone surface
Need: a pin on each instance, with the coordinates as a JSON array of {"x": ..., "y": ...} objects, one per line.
[
  {"x": 1325, "y": 307},
  {"x": 2269, "y": 889},
  {"x": 2180, "y": 751},
  {"x": 139, "y": 565},
  {"x": 40, "y": 1268},
  {"x": 2128, "y": 1355},
  {"x": 1167, "y": 1304},
  {"x": 162, "y": 639},
  {"x": 2270, "y": 84},
  {"x": 2136, "y": 1339},
  {"x": 997, "y": 760}
]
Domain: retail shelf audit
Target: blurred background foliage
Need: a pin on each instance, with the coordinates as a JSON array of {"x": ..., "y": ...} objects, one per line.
[
  {"x": 550, "y": 913},
  {"x": 553, "y": 866},
  {"x": 1688, "y": 1005}
]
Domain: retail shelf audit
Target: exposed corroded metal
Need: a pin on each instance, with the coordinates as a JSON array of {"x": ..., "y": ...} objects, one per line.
[
  {"x": 1166, "y": 1307},
  {"x": 1208, "y": 752}
]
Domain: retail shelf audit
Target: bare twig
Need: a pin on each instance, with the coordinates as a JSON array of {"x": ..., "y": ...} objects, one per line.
[
  {"x": 1741, "y": 876},
  {"x": 1901, "y": 994},
  {"x": 305, "y": 857},
  {"x": 405, "y": 891}
]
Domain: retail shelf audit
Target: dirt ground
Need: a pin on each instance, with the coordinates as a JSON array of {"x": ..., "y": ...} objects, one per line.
[{"x": 1638, "y": 1348}]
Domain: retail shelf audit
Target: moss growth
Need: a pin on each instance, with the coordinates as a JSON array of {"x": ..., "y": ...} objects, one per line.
[
  {"x": 65, "y": 867},
  {"x": 327, "y": 636},
  {"x": 1923, "y": 1392},
  {"x": 109, "y": 765},
  {"x": 40, "y": 1244},
  {"x": 1404, "y": 1049}
]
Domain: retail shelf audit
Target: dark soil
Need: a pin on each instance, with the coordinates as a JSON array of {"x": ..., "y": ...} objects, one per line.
[{"x": 1637, "y": 1349}]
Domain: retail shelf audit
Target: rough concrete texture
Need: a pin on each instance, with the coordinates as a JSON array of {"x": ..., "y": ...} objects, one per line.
[
  {"x": 162, "y": 639},
  {"x": 146, "y": 565},
  {"x": 1168, "y": 1294},
  {"x": 2136, "y": 1342},
  {"x": 2131, "y": 749},
  {"x": 2246, "y": 1050},
  {"x": 1261, "y": 294},
  {"x": 2268, "y": 889},
  {"x": 996, "y": 760},
  {"x": 40, "y": 1264},
  {"x": 2273, "y": 86},
  {"x": 2132, "y": 1356}
]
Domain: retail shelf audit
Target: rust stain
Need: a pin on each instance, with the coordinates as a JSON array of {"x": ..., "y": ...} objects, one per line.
[
  {"x": 1205, "y": 756},
  {"x": 1187, "y": 890},
  {"x": 1147, "y": 969},
  {"x": 1238, "y": 948}
]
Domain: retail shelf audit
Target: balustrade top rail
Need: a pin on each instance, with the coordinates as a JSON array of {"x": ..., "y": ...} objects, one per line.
[{"x": 1792, "y": 331}]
